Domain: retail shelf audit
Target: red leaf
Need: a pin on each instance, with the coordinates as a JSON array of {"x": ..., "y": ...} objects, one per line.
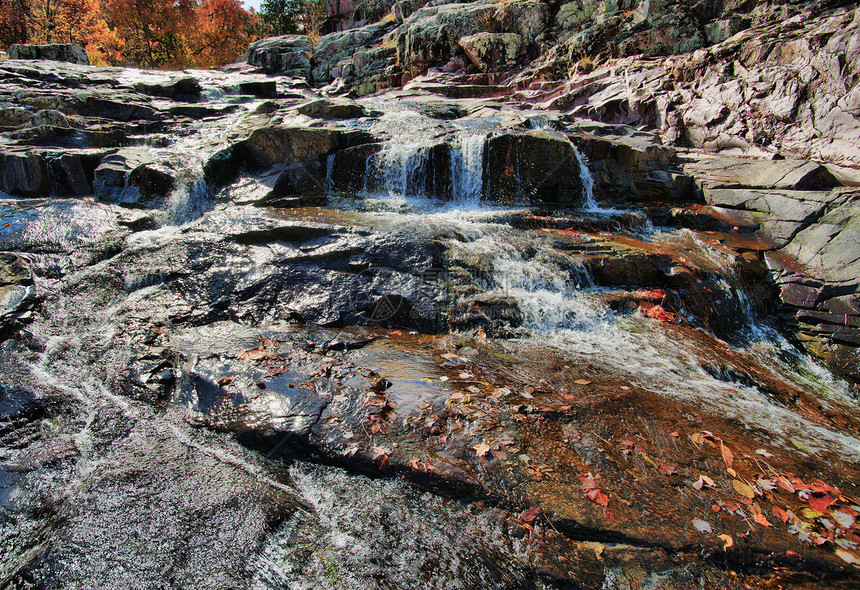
[
  {"x": 821, "y": 504},
  {"x": 383, "y": 463},
  {"x": 530, "y": 514},
  {"x": 667, "y": 469},
  {"x": 598, "y": 496},
  {"x": 792, "y": 554}
]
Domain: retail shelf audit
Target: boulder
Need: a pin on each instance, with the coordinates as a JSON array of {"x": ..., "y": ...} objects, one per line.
[
  {"x": 132, "y": 176},
  {"x": 185, "y": 88},
  {"x": 431, "y": 35},
  {"x": 334, "y": 48},
  {"x": 17, "y": 293},
  {"x": 287, "y": 55},
  {"x": 492, "y": 51},
  {"x": 332, "y": 109},
  {"x": 68, "y": 52}
]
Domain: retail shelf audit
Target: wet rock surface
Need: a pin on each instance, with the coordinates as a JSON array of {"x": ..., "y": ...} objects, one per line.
[{"x": 257, "y": 336}]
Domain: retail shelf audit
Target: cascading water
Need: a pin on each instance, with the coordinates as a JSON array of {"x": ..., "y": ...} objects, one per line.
[{"x": 467, "y": 162}]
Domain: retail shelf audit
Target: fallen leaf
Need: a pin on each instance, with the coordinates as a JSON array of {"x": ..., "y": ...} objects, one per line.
[
  {"x": 396, "y": 333},
  {"x": 846, "y": 521},
  {"x": 598, "y": 496},
  {"x": 450, "y": 356},
  {"x": 225, "y": 381},
  {"x": 848, "y": 557},
  {"x": 727, "y": 454},
  {"x": 728, "y": 541},
  {"x": 821, "y": 504},
  {"x": 759, "y": 518},
  {"x": 667, "y": 469},
  {"x": 786, "y": 485},
  {"x": 743, "y": 489},
  {"x": 715, "y": 507},
  {"x": 732, "y": 472},
  {"x": 481, "y": 449},
  {"x": 261, "y": 385},
  {"x": 702, "y": 526},
  {"x": 792, "y": 554},
  {"x": 675, "y": 434},
  {"x": 443, "y": 378},
  {"x": 530, "y": 514},
  {"x": 766, "y": 484},
  {"x": 473, "y": 389},
  {"x": 764, "y": 453},
  {"x": 383, "y": 463},
  {"x": 780, "y": 513},
  {"x": 582, "y": 382},
  {"x": 697, "y": 438},
  {"x": 704, "y": 481}
]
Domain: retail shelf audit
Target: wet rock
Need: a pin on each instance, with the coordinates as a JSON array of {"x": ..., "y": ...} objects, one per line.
[
  {"x": 286, "y": 55},
  {"x": 132, "y": 176},
  {"x": 531, "y": 167},
  {"x": 17, "y": 293},
  {"x": 332, "y": 109},
  {"x": 185, "y": 88},
  {"x": 24, "y": 173},
  {"x": 67, "y": 52}
]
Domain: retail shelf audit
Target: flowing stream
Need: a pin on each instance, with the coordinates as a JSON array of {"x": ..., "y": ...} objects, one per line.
[{"x": 113, "y": 486}]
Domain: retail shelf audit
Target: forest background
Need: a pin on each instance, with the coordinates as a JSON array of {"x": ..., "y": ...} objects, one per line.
[{"x": 162, "y": 34}]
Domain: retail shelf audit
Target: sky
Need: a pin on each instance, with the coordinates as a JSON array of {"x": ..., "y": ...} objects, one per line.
[{"x": 255, "y": 4}]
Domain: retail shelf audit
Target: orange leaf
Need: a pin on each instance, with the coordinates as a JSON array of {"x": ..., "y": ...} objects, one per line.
[
  {"x": 727, "y": 540},
  {"x": 728, "y": 456},
  {"x": 759, "y": 518},
  {"x": 780, "y": 513}
]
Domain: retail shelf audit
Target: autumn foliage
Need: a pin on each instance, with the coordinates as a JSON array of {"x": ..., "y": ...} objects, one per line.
[{"x": 172, "y": 34}]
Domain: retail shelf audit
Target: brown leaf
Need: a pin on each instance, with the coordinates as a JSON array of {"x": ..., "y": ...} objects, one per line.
[
  {"x": 582, "y": 381},
  {"x": 743, "y": 489},
  {"x": 225, "y": 381},
  {"x": 450, "y": 356},
  {"x": 530, "y": 514},
  {"x": 697, "y": 438},
  {"x": 728, "y": 456}
]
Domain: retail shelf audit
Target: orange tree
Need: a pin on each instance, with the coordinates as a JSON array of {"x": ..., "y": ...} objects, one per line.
[{"x": 222, "y": 33}]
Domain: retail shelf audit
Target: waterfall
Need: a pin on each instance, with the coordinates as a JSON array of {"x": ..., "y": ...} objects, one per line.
[
  {"x": 587, "y": 181},
  {"x": 467, "y": 168}
]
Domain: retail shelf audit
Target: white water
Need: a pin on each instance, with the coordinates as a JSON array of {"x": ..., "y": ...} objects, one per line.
[{"x": 467, "y": 168}]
